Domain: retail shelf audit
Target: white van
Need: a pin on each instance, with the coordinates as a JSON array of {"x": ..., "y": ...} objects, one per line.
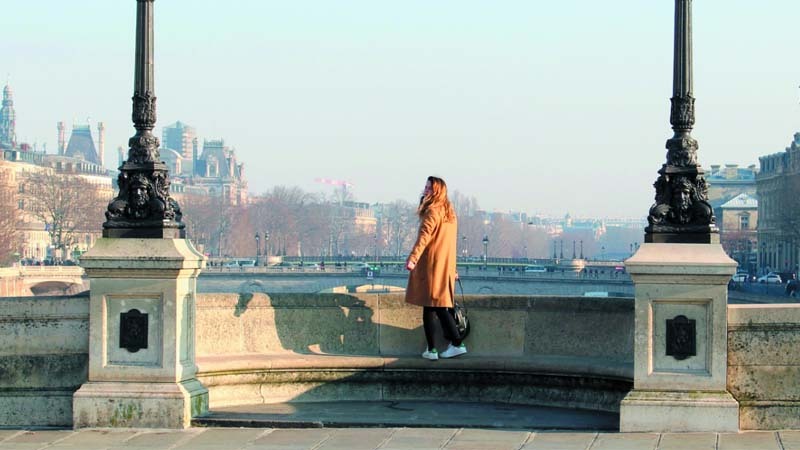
[{"x": 535, "y": 269}]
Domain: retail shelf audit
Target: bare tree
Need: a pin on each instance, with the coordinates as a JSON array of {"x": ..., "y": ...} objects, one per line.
[
  {"x": 401, "y": 226},
  {"x": 67, "y": 205},
  {"x": 8, "y": 219}
]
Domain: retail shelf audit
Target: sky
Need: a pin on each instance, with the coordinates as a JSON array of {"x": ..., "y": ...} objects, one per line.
[{"x": 543, "y": 107}]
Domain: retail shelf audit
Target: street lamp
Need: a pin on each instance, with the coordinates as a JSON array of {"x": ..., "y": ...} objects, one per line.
[
  {"x": 573, "y": 249},
  {"x": 266, "y": 246},
  {"x": 485, "y": 250},
  {"x": 258, "y": 247},
  {"x": 581, "y": 248},
  {"x": 464, "y": 246},
  {"x": 561, "y": 251}
]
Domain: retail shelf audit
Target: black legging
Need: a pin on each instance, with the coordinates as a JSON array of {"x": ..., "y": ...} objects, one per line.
[{"x": 449, "y": 327}]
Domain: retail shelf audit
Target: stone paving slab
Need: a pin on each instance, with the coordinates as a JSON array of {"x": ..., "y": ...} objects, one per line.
[
  {"x": 388, "y": 439},
  {"x": 560, "y": 441},
  {"x": 625, "y": 441},
  {"x": 357, "y": 439},
  {"x": 761, "y": 440},
  {"x": 476, "y": 439},
  {"x": 790, "y": 440},
  {"x": 683, "y": 441},
  {"x": 230, "y": 437}
]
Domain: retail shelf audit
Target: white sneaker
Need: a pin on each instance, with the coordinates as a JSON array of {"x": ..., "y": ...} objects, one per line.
[
  {"x": 452, "y": 352},
  {"x": 432, "y": 355}
]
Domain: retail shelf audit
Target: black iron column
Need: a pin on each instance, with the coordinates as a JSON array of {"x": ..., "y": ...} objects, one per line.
[
  {"x": 143, "y": 208},
  {"x": 681, "y": 213}
]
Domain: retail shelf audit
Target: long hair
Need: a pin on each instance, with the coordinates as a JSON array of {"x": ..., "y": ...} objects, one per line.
[{"x": 437, "y": 197}]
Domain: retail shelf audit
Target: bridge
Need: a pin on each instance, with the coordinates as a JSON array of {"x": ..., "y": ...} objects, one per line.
[
  {"x": 489, "y": 282},
  {"x": 41, "y": 280}
]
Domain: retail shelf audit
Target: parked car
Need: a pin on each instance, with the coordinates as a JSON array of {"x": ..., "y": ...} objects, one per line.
[
  {"x": 771, "y": 278},
  {"x": 740, "y": 277}
]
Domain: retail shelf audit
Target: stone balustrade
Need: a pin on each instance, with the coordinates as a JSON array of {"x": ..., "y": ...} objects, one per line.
[{"x": 252, "y": 348}]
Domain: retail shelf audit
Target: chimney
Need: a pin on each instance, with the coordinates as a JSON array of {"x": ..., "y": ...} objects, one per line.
[
  {"x": 62, "y": 142},
  {"x": 101, "y": 143},
  {"x": 731, "y": 171}
]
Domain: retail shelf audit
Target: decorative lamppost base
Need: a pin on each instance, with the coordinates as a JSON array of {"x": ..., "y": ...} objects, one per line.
[
  {"x": 680, "y": 340},
  {"x": 141, "y": 335}
]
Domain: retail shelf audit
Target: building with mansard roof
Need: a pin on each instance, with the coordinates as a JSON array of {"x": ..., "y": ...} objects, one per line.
[
  {"x": 778, "y": 188},
  {"x": 738, "y": 223}
]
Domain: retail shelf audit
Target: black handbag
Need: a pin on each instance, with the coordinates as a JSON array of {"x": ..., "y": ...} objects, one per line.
[{"x": 459, "y": 313}]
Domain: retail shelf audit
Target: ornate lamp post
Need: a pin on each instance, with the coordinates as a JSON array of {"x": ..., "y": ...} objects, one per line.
[
  {"x": 258, "y": 247},
  {"x": 266, "y": 246},
  {"x": 485, "y": 250},
  {"x": 144, "y": 208},
  {"x": 679, "y": 371},
  {"x": 681, "y": 213},
  {"x": 581, "y": 248},
  {"x": 464, "y": 246}
]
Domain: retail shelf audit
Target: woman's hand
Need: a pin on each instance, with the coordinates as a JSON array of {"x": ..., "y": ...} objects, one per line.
[{"x": 410, "y": 264}]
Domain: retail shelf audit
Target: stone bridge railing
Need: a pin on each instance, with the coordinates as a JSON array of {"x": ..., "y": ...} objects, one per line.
[
  {"x": 256, "y": 348},
  {"x": 41, "y": 280}
]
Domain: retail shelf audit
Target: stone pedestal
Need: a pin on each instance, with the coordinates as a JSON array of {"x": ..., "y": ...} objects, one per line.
[
  {"x": 680, "y": 346},
  {"x": 141, "y": 335}
]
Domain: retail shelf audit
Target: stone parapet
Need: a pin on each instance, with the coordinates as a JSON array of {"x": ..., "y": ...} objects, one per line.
[
  {"x": 764, "y": 365},
  {"x": 44, "y": 346}
]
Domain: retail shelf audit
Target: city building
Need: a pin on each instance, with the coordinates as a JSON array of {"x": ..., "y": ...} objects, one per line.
[
  {"x": 738, "y": 224},
  {"x": 179, "y": 141},
  {"x": 19, "y": 162},
  {"x": 728, "y": 181},
  {"x": 778, "y": 187}
]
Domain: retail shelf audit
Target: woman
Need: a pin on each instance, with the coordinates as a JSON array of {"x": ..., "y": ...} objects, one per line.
[{"x": 432, "y": 266}]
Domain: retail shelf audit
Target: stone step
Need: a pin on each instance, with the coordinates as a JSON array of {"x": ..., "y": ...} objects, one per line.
[{"x": 412, "y": 414}]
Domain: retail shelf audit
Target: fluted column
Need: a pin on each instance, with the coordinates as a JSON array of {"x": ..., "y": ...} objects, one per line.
[
  {"x": 143, "y": 208},
  {"x": 681, "y": 213}
]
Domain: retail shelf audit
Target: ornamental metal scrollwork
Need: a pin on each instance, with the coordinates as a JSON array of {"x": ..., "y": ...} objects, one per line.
[
  {"x": 133, "y": 328},
  {"x": 144, "y": 109},
  {"x": 681, "y": 338},
  {"x": 682, "y": 112}
]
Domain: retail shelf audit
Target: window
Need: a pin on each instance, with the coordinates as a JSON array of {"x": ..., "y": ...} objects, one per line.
[
  {"x": 744, "y": 222},
  {"x": 21, "y": 204}
]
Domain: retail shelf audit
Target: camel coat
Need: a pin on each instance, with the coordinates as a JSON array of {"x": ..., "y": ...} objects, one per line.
[{"x": 432, "y": 282}]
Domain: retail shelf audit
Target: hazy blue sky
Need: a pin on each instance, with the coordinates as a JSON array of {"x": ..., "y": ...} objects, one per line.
[{"x": 541, "y": 106}]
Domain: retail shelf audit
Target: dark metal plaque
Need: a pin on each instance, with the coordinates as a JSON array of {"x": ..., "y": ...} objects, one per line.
[
  {"x": 133, "y": 330},
  {"x": 681, "y": 337}
]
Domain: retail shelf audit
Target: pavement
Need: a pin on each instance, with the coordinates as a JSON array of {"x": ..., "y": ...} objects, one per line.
[
  {"x": 395, "y": 426},
  {"x": 394, "y": 438}
]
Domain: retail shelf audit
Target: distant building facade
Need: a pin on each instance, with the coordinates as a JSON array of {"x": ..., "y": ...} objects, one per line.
[
  {"x": 778, "y": 186},
  {"x": 19, "y": 161},
  {"x": 213, "y": 172},
  {"x": 180, "y": 141},
  {"x": 726, "y": 182},
  {"x": 738, "y": 235}
]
